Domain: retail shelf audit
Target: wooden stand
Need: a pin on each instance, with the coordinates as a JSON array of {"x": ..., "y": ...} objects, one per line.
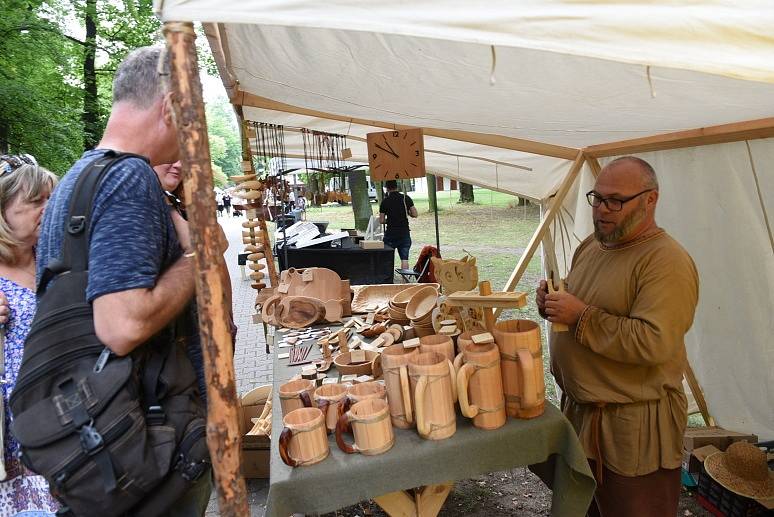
[{"x": 425, "y": 501}]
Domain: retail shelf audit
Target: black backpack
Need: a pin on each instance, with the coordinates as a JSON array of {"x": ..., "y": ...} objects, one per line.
[{"x": 112, "y": 435}]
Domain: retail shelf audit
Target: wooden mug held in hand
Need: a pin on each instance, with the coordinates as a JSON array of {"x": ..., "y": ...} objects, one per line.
[
  {"x": 522, "y": 367},
  {"x": 303, "y": 440},
  {"x": 370, "y": 423},
  {"x": 395, "y": 361},
  {"x": 481, "y": 377},
  {"x": 433, "y": 383},
  {"x": 295, "y": 395}
]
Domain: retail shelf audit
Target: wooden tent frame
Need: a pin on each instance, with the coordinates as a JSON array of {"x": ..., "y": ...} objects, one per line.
[{"x": 223, "y": 436}]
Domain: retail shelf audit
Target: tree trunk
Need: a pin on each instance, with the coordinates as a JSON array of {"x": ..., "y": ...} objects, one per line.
[
  {"x": 466, "y": 193},
  {"x": 432, "y": 200},
  {"x": 223, "y": 434},
  {"x": 90, "y": 116},
  {"x": 361, "y": 205}
]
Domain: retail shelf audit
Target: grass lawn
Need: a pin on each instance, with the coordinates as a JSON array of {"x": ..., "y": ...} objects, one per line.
[{"x": 493, "y": 229}]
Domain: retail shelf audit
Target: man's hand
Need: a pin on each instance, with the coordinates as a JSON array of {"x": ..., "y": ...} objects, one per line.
[
  {"x": 5, "y": 311},
  {"x": 562, "y": 307},
  {"x": 540, "y": 297}
]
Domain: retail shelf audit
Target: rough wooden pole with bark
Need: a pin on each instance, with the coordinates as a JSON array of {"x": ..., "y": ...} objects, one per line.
[{"x": 223, "y": 436}]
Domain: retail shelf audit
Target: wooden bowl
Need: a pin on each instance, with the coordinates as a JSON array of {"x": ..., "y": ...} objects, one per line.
[
  {"x": 345, "y": 368},
  {"x": 422, "y": 303},
  {"x": 404, "y": 297}
]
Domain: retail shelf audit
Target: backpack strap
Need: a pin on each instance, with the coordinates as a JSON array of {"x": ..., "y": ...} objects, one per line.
[{"x": 75, "y": 240}]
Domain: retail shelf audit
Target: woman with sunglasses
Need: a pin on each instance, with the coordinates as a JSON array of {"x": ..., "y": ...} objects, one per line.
[{"x": 24, "y": 190}]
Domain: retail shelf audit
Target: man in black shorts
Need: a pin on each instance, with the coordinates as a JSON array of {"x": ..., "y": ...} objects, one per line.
[{"x": 396, "y": 209}]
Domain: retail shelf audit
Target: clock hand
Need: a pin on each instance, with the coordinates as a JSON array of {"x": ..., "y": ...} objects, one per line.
[
  {"x": 386, "y": 151},
  {"x": 388, "y": 145}
]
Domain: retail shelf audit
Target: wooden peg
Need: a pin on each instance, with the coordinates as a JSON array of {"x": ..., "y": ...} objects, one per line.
[{"x": 485, "y": 289}]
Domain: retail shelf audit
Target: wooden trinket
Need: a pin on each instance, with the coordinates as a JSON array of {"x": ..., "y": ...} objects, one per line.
[
  {"x": 557, "y": 327},
  {"x": 348, "y": 378},
  {"x": 370, "y": 423},
  {"x": 296, "y": 394},
  {"x": 329, "y": 398},
  {"x": 256, "y": 267},
  {"x": 395, "y": 361},
  {"x": 345, "y": 366},
  {"x": 303, "y": 440},
  {"x": 456, "y": 275},
  {"x": 481, "y": 378},
  {"x": 412, "y": 343},
  {"x": 522, "y": 367},
  {"x": 440, "y": 344},
  {"x": 482, "y": 338},
  {"x": 251, "y": 224},
  {"x": 244, "y": 177},
  {"x": 448, "y": 330},
  {"x": 255, "y": 256},
  {"x": 432, "y": 378}
]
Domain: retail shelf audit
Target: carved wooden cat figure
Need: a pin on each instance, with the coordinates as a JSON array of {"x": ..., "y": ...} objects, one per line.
[{"x": 456, "y": 275}]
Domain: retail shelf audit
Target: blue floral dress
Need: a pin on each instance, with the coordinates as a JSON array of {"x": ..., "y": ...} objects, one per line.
[{"x": 22, "y": 492}]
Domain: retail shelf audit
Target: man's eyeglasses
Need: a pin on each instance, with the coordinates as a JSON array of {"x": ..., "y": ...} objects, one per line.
[
  {"x": 11, "y": 162},
  {"x": 613, "y": 204}
]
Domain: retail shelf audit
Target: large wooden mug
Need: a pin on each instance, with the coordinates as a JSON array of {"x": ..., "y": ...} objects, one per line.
[
  {"x": 395, "y": 361},
  {"x": 463, "y": 341},
  {"x": 303, "y": 440},
  {"x": 480, "y": 386},
  {"x": 295, "y": 395},
  {"x": 521, "y": 354},
  {"x": 434, "y": 388},
  {"x": 443, "y": 345},
  {"x": 370, "y": 423},
  {"x": 329, "y": 399},
  {"x": 363, "y": 391}
]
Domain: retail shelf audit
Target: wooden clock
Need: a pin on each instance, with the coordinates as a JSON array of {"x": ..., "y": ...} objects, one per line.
[{"x": 398, "y": 154}]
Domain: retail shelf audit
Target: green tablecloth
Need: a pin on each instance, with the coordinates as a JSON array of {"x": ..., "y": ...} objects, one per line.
[{"x": 343, "y": 479}]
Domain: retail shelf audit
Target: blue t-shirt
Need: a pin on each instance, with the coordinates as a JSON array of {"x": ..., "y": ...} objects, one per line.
[{"x": 132, "y": 239}]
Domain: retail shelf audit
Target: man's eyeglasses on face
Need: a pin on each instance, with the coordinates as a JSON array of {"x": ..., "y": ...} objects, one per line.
[
  {"x": 613, "y": 204},
  {"x": 11, "y": 162}
]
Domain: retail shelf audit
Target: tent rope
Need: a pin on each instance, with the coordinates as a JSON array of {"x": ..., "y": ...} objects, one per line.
[{"x": 760, "y": 196}]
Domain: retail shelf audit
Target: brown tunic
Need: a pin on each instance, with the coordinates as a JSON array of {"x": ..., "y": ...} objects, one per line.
[{"x": 623, "y": 362}]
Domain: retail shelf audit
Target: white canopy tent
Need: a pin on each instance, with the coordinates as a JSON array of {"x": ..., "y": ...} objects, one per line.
[{"x": 508, "y": 94}]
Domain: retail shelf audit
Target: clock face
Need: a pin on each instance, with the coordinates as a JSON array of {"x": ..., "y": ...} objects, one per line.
[{"x": 396, "y": 154}]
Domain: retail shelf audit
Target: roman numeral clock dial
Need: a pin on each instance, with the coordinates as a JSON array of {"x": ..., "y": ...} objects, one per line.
[{"x": 398, "y": 154}]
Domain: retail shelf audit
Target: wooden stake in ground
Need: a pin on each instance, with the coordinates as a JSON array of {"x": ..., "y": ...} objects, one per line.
[{"x": 223, "y": 437}]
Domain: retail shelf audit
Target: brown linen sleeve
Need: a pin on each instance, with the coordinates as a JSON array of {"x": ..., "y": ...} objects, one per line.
[{"x": 662, "y": 312}]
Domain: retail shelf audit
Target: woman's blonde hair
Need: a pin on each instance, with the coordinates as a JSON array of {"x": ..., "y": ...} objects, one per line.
[{"x": 30, "y": 181}]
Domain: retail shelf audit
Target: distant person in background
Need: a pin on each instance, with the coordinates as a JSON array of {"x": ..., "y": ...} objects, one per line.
[
  {"x": 219, "y": 203},
  {"x": 24, "y": 191},
  {"x": 395, "y": 209},
  {"x": 227, "y": 204}
]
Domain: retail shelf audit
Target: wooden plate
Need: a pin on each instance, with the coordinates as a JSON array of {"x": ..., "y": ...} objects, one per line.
[{"x": 345, "y": 368}]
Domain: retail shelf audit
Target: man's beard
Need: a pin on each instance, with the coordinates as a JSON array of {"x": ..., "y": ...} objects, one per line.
[{"x": 622, "y": 229}]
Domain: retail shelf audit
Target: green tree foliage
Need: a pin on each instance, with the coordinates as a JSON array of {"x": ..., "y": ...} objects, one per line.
[{"x": 225, "y": 145}]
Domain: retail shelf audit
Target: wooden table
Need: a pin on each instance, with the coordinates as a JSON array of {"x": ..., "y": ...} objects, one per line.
[{"x": 391, "y": 479}]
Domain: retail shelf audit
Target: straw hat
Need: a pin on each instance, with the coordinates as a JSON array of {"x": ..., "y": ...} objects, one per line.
[{"x": 743, "y": 470}]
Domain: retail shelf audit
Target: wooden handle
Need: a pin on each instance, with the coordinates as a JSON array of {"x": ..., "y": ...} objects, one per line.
[
  {"x": 341, "y": 428},
  {"x": 284, "y": 442},
  {"x": 463, "y": 380},
  {"x": 345, "y": 405},
  {"x": 453, "y": 381},
  {"x": 305, "y": 398},
  {"x": 528, "y": 390},
  {"x": 405, "y": 391},
  {"x": 323, "y": 405},
  {"x": 419, "y": 405},
  {"x": 458, "y": 362}
]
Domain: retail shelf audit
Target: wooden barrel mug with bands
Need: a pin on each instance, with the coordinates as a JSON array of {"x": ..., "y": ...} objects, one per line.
[
  {"x": 369, "y": 420},
  {"x": 329, "y": 399},
  {"x": 395, "y": 361},
  {"x": 295, "y": 395},
  {"x": 480, "y": 386},
  {"x": 434, "y": 387},
  {"x": 303, "y": 440},
  {"x": 522, "y": 367}
]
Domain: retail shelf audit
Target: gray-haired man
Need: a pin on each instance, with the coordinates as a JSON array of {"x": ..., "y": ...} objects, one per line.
[{"x": 140, "y": 278}]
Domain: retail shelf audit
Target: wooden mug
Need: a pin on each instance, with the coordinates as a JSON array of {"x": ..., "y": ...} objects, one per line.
[
  {"x": 363, "y": 391},
  {"x": 433, "y": 384},
  {"x": 329, "y": 399},
  {"x": 443, "y": 345},
  {"x": 521, "y": 354},
  {"x": 481, "y": 377},
  {"x": 296, "y": 394},
  {"x": 370, "y": 423},
  {"x": 303, "y": 440},
  {"x": 395, "y": 361}
]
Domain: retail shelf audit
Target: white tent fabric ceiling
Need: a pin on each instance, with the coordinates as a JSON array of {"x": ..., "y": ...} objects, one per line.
[{"x": 569, "y": 74}]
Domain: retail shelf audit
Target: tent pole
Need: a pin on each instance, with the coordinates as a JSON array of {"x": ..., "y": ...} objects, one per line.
[
  {"x": 537, "y": 237},
  {"x": 433, "y": 197},
  {"x": 594, "y": 165},
  {"x": 698, "y": 394},
  {"x": 223, "y": 435}
]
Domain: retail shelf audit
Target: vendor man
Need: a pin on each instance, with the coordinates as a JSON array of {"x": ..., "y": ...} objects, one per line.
[
  {"x": 630, "y": 298},
  {"x": 397, "y": 208}
]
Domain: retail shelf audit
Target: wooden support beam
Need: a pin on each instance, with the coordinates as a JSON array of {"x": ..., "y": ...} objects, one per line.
[
  {"x": 425, "y": 501},
  {"x": 698, "y": 395},
  {"x": 537, "y": 237},
  {"x": 748, "y": 130},
  {"x": 503, "y": 142},
  {"x": 594, "y": 165},
  {"x": 223, "y": 436}
]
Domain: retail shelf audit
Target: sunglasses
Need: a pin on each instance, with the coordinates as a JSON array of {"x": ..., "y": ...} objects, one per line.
[{"x": 11, "y": 162}]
